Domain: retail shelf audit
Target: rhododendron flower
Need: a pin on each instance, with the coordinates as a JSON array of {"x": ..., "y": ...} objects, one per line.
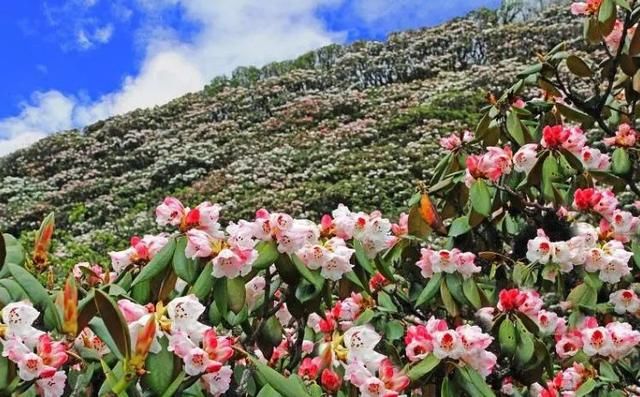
[
  {"x": 170, "y": 212},
  {"x": 19, "y": 317},
  {"x": 309, "y": 368},
  {"x": 451, "y": 142},
  {"x": 254, "y": 291},
  {"x": 624, "y": 224},
  {"x": 525, "y": 158},
  {"x": 242, "y": 235},
  {"x": 49, "y": 357},
  {"x": 231, "y": 263},
  {"x": 491, "y": 165},
  {"x": 377, "y": 282},
  {"x": 447, "y": 261},
  {"x": 210, "y": 357},
  {"x": 554, "y": 136},
  {"x": 200, "y": 244},
  {"x": 184, "y": 313},
  {"x": 360, "y": 342},
  {"x": 527, "y": 302},
  {"x": 594, "y": 159},
  {"x": 402, "y": 227},
  {"x": 614, "y": 38},
  {"x": 585, "y": 199},
  {"x": 217, "y": 383},
  {"x": 475, "y": 343},
  {"x": 88, "y": 340},
  {"x": 588, "y": 7},
  {"x": 626, "y": 136},
  {"x": 549, "y": 323},
  {"x": 52, "y": 386},
  {"x": 330, "y": 381},
  {"x": 623, "y": 339},
  {"x": 447, "y": 344},
  {"x": 333, "y": 258},
  {"x": 568, "y": 345},
  {"x": 625, "y": 301},
  {"x": 141, "y": 249},
  {"x": 596, "y": 341},
  {"x": 390, "y": 382}
]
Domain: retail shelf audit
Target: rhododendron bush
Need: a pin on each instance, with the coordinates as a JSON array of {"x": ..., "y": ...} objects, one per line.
[{"x": 512, "y": 272}]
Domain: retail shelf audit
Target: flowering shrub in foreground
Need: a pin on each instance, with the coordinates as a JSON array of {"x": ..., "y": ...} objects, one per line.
[{"x": 514, "y": 273}]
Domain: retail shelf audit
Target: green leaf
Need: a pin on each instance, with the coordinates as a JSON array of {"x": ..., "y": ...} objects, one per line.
[
  {"x": 606, "y": 12},
  {"x": 267, "y": 254},
  {"x": 203, "y": 285},
  {"x": 635, "y": 247},
  {"x": 550, "y": 173},
  {"x": 365, "y": 317},
  {"x": 393, "y": 330},
  {"x": 471, "y": 292},
  {"x": 429, "y": 290},
  {"x": 608, "y": 373},
  {"x": 423, "y": 368},
  {"x": 282, "y": 385},
  {"x": 574, "y": 114},
  {"x": 157, "y": 264},
  {"x": 268, "y": 391},
  {"x": 314, "y": 277},
  {"x": 586, "y": 388},
  {"x": 237, "y": 294},
  {"x": 516, "y": 129},
  {"x": 447, "y": 300},
  {"x": 220, "y": 295},
  {"x": 160, "y": 370},
  {"x": 185, "y": 268},
  {"x": 36, "y": 292},
  {"x": 507, "y": 337},
  {"x": 114, "y": 321},
  {"x": 525, "y": 347},
  {"x": 578, "y": 67},
  {"x": 445, "y": 389},
  {"x": 472, "y": 382},
  {"x": 98, "y": 326},
  {"x": 621, "y": 162},
  {"x": 362, "y": 257},
  {"x": 480, "y": 197},
  {"x": 459, "y": 226},
  {"x": 174, "y": 386},
  {"x": 13, "y": 253}
]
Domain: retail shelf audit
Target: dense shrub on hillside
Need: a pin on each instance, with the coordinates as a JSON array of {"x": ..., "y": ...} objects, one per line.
[{"x": 513, "y": 272}]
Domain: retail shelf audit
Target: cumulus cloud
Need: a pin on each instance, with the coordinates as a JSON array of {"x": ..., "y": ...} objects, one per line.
[
  {"x": 231, "y": 33},
  {"x": 48, "y": 111}
]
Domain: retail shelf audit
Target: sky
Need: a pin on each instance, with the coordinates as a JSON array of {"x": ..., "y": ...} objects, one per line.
[{"x": 68, "y": 63}]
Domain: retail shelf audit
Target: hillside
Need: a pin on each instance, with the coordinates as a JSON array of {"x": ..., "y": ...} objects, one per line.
[{"x": 357, "y": 125}]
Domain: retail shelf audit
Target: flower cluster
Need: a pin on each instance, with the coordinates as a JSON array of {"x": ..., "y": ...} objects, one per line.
[
  {"x": 447, "y": 261},
  {"x": 466, "y": 343},
  {"x": 615, "y": 340},
  {"x": 490, "y": 165},
  {"x": 610, "y": 259},
  {"x": 455, "y": 140}
]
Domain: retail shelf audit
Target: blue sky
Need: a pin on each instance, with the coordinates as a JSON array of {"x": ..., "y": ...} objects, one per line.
[{"x": 67, "y": 63}]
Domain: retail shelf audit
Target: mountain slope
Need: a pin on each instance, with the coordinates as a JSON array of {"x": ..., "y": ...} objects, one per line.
[{"x": 356, "y": 124}]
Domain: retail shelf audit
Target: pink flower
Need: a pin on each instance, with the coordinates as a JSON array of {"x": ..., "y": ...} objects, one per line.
[
  {"x": 626, "y": 136},
  {"x": 614, "y": 38},
  {"x": 200, "y": 244},
  {"x": 549, "y": 323},
  {"x": 309, "y": 368},
  {"x": 568, "y": 345},
  {"x": 217, "y": 383},
  {"x": 447, "y": 344},
  {"x": 451, "y": 142},
  {"x": 254, "y": 291},
  {"x": 131, "y": 311},
  {"x": 525, "y": 158},
  {"x": 575, "y": 140},
  {"x": 231, "y": 263},
  {"x": 491, "y": 165},
  {"x": 207, "y": 219},
  {"x": 330, "y": 381},
  {"x": 419, "y": 342},
  {"x": 623, "y": 339},
  {"x": 625, "y": 225},
  {"x": 170, "y": 212},
  {"x": 589, "y": 7},
  {"x": 594, "y": 159},
  {"x": 52, "y": 386},
  {"x": 19, "y": 317},
  {"x": 625, "y": 301},
  {"x": 554, "y": 136},
  {"x": 596, "y": 341},
  {"x": 402, "y": 227}
]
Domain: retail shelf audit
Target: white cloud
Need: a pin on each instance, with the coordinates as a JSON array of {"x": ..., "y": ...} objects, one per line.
[
  {"x": 103, "y": 34},
  {"x": 232, "y": 33},
  {"x": 49, "y": 111}
]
